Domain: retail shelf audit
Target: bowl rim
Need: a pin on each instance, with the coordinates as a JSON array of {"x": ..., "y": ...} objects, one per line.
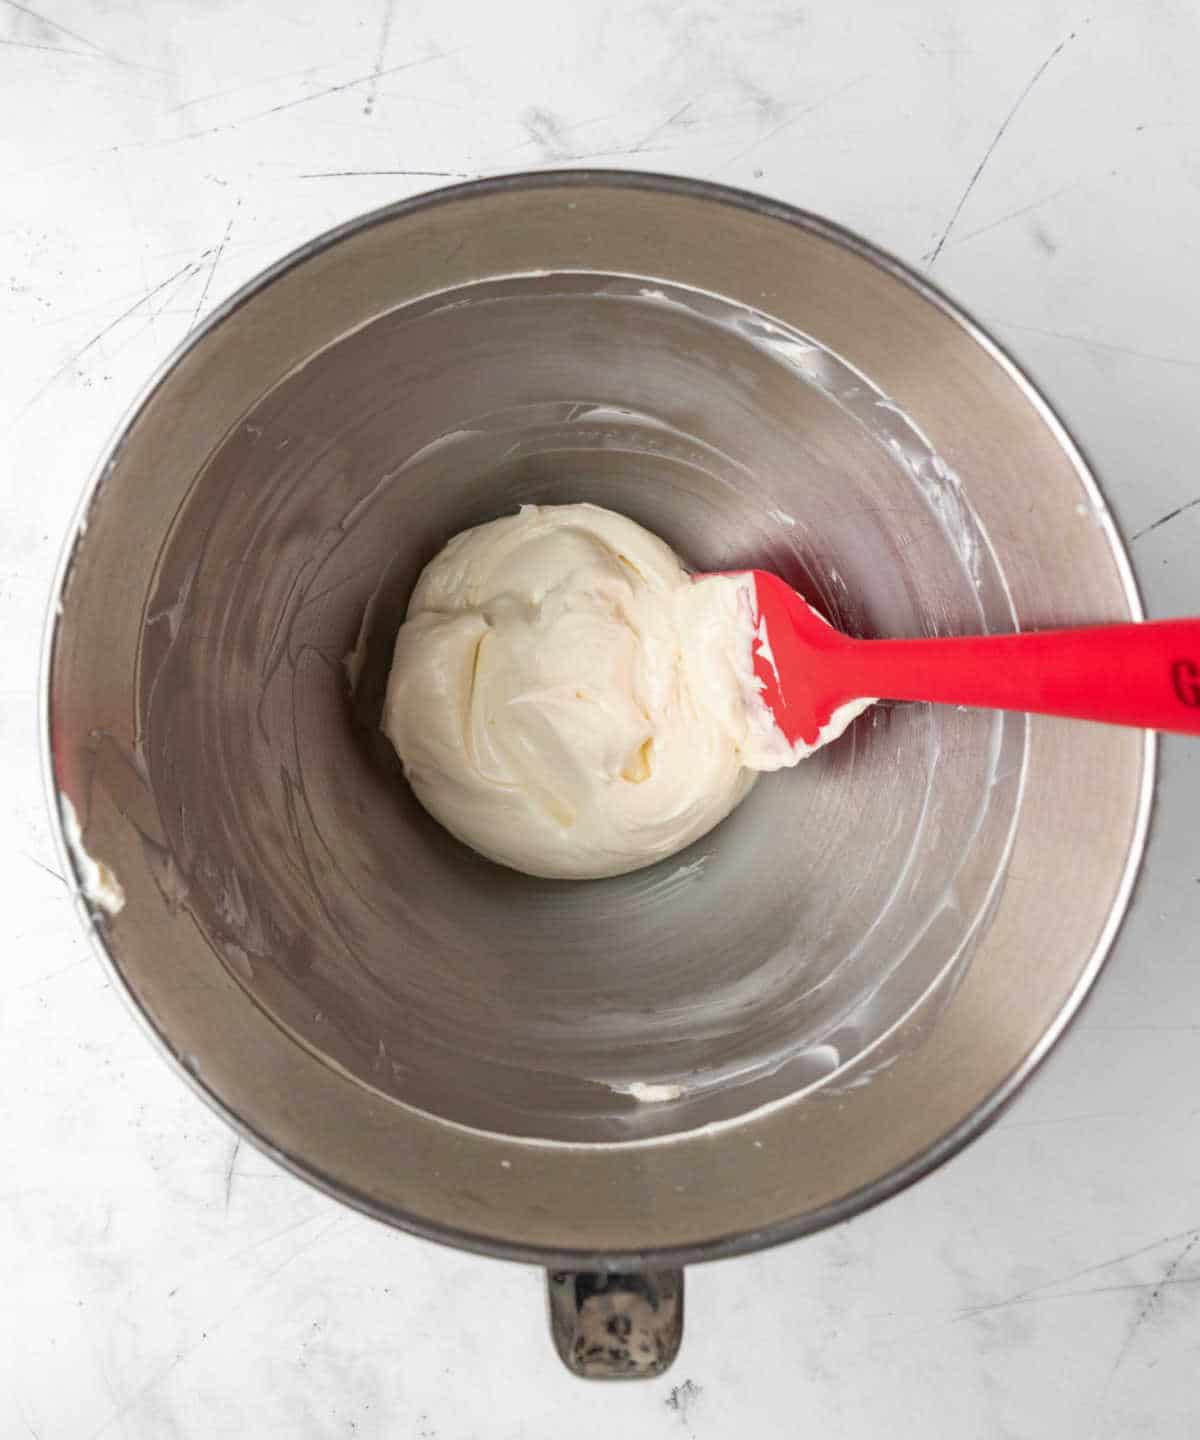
[{"x": 950, "y": 1143}]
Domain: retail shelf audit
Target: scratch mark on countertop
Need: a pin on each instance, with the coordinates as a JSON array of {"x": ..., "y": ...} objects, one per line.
[
  {"x": 1167, "y": 1278},
  {"x": 1090, "y": 344},
  {"x": 44, "y": 22},
  {"x": 45, "y": 979},
  {"x": 229, "y": 1169},
  {"x": 798, "y": 116},
  {"x": 47, "y": 26},
  {"x": 673, "y": 119},
  {"x": 1011, "y": 215},
  {"x": 1128, "y": 1287},
  {"x": 337, "y": 1224},
  {"x": 226, "y": 125},
  {"x": 269, "y": 1239},
  {"x": 385, "y": 31},
  {"x": 51, "y": 49},
  {"x": 191, "y": 268},
  {"x": 343, "y": 174},
  {"x": 156, "y": 1380},
  {"x": 1166, "y": 519},
  {"x": 255, "y": 84},
  {"x": 34, "y": 861},
  {"x": 371, "y": 78},
  {"x": 996, "y": 139},
  {"x": 1039, "y": 1290},
  {"x": 212, "y": 270}
]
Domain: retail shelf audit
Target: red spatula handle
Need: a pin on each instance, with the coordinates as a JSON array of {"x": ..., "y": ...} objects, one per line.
[{"x": 1139, "y": 674}]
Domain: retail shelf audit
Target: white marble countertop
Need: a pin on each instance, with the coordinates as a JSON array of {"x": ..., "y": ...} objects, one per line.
[{"x": 1042, "y": 161}]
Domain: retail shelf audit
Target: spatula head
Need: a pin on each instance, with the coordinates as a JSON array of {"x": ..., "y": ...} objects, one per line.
[{"x": 797, "y": 660}]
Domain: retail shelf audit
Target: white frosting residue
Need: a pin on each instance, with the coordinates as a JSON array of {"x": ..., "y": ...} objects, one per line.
[
  {"x": 649, "y": 1094},
  {"x": 567, "y": 700},
  {"x": 96, "y": 880}
]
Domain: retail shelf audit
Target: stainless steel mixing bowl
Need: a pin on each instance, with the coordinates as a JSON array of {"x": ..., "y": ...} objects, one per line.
[{"x": 809, "y": 1008}]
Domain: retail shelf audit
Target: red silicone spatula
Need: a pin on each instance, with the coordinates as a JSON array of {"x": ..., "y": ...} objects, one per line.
[{"x": 1146, "y": 674}]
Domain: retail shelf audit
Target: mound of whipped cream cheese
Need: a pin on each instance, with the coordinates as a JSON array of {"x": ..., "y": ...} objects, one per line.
[{"x": 569, "y": 701}]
